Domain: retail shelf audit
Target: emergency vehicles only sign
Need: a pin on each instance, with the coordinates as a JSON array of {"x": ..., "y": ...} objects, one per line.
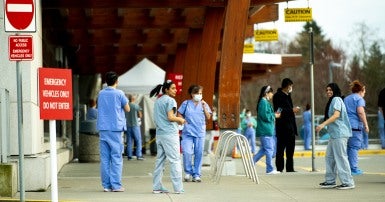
[
  {"x": 20, "y": 47},
  {"x": 55, "y": 94}
]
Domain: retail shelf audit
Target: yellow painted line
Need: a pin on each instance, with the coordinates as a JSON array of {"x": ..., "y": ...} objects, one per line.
[
  {"x": 322, "y": 153},
  {"x": 32, "y": 200}
]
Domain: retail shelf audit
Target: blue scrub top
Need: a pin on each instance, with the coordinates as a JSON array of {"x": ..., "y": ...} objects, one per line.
[
  {"x": 341, "y": 127},
  {"x": 352, "y": 102},
  {"x": 111, "y": 115},
  {"x": 306, "y": 118},
  {"x": 161, "y": 108},
  {"x": 195, "y": 118}
]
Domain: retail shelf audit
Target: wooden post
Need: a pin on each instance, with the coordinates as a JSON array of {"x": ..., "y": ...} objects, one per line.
[
  {"x": 208, "y": 55},
  {"x": 192, "y": 61},
  {"x": 230, "y": 71}
]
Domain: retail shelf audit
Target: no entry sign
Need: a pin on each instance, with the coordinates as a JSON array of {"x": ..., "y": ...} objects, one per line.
[
  {"x": 55, "y": 94},
  {"x": 20, "y": 47},
  {"x": 19, "y": 16}
]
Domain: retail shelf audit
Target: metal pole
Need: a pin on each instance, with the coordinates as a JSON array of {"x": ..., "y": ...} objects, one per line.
[
  {"x": 52, "y": 139},
  {"x": 312, "y": 98},
  {"x": 20, "y": 130}
]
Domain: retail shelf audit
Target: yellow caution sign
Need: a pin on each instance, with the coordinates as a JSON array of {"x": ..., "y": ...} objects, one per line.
[
  {"x": 248, "y": 48},
  {"x": 266, "y": 35},
  {"x": 298, "y": 14}
]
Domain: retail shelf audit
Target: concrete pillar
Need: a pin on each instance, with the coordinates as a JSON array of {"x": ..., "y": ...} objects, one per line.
[{"x": 8, "y": 180}]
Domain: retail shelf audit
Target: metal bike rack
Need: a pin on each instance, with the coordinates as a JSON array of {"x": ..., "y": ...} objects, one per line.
[{"x": 225, "y": 139}]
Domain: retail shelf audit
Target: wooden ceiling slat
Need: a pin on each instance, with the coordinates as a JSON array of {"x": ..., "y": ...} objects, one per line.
[
  {"x": 266, "y": 13},
  {"x": 132, "y": 3},
  {"x": 117, "y": 33}
]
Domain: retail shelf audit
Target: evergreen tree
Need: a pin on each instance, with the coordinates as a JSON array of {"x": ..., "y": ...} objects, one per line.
[{"x": 373, "y": 76}]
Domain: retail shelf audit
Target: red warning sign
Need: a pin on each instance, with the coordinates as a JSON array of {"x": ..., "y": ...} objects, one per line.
[{"x": 55, "y": 94}]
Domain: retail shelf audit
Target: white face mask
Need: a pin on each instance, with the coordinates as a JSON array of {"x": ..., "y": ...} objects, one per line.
[
  {"x": 197, "y": 97},
  {"x": 290, "y": 89},
  {"x": 248, "y": 115}
]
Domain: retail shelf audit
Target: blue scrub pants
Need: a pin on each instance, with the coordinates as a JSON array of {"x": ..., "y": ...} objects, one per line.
[
  {"x": 168, "y": 148},
  {"x": 267, "y": 148},
  {"x": 250, "y": 136},
  {"x": 381, "y": 131},
  {"x": 134, "y": 133},
  {"x": 307, "y": 137},
  {"x": 192, "y": 148},
  {"x": 111, "y": 160},
  {"x": 354, "y": 145},
  {"x": 337, "y": 162}
]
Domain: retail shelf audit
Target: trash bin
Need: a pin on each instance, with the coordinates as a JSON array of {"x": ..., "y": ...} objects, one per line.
[
  {"x": 88, "y": 142},
  {"x": 153, "y": 141}
]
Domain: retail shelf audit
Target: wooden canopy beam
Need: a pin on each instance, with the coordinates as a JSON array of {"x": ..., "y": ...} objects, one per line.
[{"x": 230, "y": 71}]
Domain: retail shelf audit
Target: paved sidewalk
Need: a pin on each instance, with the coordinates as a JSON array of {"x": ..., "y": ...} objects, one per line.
[{"x": 81, "y": 182}]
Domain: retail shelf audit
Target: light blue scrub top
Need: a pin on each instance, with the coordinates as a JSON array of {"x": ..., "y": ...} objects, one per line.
[
  {"x": 195, "y": 118},
  {"x": 352, "y": 102},
  {"x": 162, "y": 106},
  {"x": 340, "y": 128},
  {"x": 111, "y": 115}
]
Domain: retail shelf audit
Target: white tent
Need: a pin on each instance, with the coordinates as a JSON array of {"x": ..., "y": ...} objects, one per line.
[{"x": 141, "y": 78}]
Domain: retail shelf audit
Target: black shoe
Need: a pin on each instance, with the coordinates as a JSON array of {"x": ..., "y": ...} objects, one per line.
[
  {"x": 345, "y": 186},
  {"x": 129, "y": 158},
  {"x": 327, "y": 185}
]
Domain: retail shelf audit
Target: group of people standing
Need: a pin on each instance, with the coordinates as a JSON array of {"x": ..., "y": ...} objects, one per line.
[
  {"x": 114, "y": 113},
  {"x": 192, "y": 114},
  {"x": 346, "y": 123},
  {"x": 275, "y": 126}
]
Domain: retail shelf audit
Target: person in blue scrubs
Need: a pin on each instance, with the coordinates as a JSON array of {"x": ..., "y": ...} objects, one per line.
[
  {"x": 196, "y": 111},
  {"x": 167, "y": 138},
  {"x": 355, "y": 105},
  {"x": 339, "y": 128},
  {"x": 381, "y": 115},
  {"x": 381, "y": 131},
  {"x": 265, "y": 128},
  {"x": 249, "y": 124},
  {"x": 111, "y": 123},
  {"x": 307, "y": 127},
  {"x": 92, "y": 112}
]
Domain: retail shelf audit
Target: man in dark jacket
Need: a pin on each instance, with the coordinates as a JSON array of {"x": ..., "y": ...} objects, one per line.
[{"x": 285, "y": 126}]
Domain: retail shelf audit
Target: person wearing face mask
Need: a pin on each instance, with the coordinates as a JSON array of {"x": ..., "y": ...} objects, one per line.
[
  {"x": 195, "y": 111},
  {"x": 286, "y": 128},
  {"x": 265, "y": 128},
  {"x": 248, "y": 125}
]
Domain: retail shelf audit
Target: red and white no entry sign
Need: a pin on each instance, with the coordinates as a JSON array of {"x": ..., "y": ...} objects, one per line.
[{"x": 19, "y": 15}]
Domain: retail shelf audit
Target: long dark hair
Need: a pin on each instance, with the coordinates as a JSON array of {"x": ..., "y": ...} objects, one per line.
[
  {"x": 166, "y": 85},
  {"x": 336, "y": 93},
  {"x": 264, "y": 91}
]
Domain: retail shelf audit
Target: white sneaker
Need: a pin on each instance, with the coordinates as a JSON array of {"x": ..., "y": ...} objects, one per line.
[
  {"x": 197, "y": 179},
  {"x": 187, "y": 178},
  {"x": 273, "y": 172}
]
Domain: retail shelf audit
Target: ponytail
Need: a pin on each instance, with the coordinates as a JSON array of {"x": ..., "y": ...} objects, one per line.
[{"x": 166, "y": 85}]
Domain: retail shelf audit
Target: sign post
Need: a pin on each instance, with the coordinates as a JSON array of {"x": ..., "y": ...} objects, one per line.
[
  {"x": 55, "y": 95},
  {"x": 20, "y": 16}
]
